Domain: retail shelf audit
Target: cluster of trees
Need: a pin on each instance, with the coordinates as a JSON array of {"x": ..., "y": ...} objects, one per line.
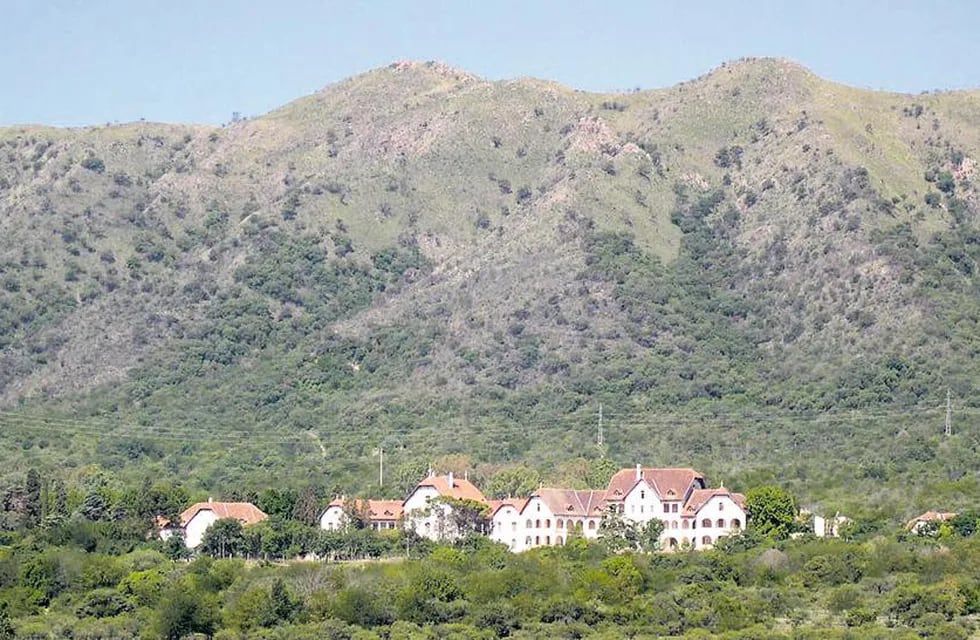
[{"x": 751, "y": 586}]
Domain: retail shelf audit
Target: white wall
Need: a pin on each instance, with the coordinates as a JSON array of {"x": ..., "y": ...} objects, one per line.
[
  {"x": 333, "y": 518},
  {"x": 194, "y": 531},
  {"x": 429, "y": 520},
  {"x": 723, "y": 517}
]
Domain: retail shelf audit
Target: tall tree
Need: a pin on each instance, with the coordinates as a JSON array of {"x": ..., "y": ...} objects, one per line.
[
  {"x": 224, "y": 539},
  {"x": 771, "y": 511},
  {"x": 32, "y": 499}
]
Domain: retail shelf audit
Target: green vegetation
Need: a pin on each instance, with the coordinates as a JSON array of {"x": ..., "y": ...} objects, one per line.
[
  {"x": 110, "y": 582},
  {"x": 760, "y": 274}
]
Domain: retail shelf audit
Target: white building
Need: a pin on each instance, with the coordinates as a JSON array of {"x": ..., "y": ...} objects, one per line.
[
  {"x": 551, "y": 516},
  {"x": 432, "y": 518},
  {"x": 197, "y": 518},
  {"x": 380, "y": 515},
  {"x": 505, "y": 525}
]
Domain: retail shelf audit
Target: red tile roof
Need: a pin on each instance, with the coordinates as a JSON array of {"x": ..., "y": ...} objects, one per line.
[
  {"x": 376, "y": 509},
  {"x": 931, "y": 516},
  {"x": 701, "y": 496},
  {"x": 670, "y": 484},
  {"x": 244, "y": 512},
  {"x": 517, "y": 503},
  {"x": 569, "y": 502},
  {"x": 460, "y": 488}
]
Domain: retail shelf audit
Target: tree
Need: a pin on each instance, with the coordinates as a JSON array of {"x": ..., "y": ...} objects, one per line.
[
  {"x": 6, "y": 626},
  {"x": 283, "y": 604},
  {"x": 618, "y": 534},
  {"x": 512, "y": 482},
  {"x": 174, "y": 547},
  {"x": 771, "y": 511},
  {"x": 32, "y": 499},
  {"x": 650, "y": 535},
  {"x": 185, "y": 610},
  {"x": 224, "y": 539},
  {"x": 307, "y": 507}
]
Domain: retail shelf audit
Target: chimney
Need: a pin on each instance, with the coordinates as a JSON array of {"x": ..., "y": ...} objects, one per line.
[
  {"x": 639, "y": 472},
  {"x": 451, "y": 483}
]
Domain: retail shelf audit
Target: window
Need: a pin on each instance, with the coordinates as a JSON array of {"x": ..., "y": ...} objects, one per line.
[
  {"x": 721, "y": 506},
  {"x": 706, "y": 523},
  {"x": 643, "y": 495},
  {"x": 537, "y": 524},
  {"x": 591, "y": 524},
  {"x": 706, "y": 540},
  {"x": 559, "y": 541},
  {"x": 527, "y": 541},
  {"x": 560, "y": 524},
  {"x": 528, "y": 525},
  {"x": 641, "y": 508},
  {"x": 720, "y": 524},
  {"x": 537, "y": 539},
  {"x": 673, "y": 508},
  {"x": 539, "y": 507},
  {"x": 685, "y": 524},
  {"x": 736, "y": 524},
  {"x": 632, "y": 508},
  {"x": 547, "y": 539},
  {"x": 513, "y": 525},
  {"x": 666, "y": 508},
  {"x": 513, "y": 542},
  {"x": 547, "y": 524},
  {"x": 673, "y": 525}
]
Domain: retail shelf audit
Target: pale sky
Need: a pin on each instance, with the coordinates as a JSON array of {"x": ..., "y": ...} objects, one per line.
[{"x": 78, "y": 62}]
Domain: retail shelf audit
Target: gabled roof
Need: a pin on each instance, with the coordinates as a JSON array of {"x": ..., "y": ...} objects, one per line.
[
  {"x": 244, "y": 512},
  {"x": 700, "y": 496},
  {"x": 449, "y": 486},
  {"x": 376, "y": 509},
  {"x": 931, "y": 516},
  {"x": 670, "y": 484},
  {"x": 497, "y": 505},
  {"x": 569, "y": 502}
]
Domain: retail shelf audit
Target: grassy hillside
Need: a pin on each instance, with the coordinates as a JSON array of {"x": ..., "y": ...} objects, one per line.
[{"x": 757, "y": 272}]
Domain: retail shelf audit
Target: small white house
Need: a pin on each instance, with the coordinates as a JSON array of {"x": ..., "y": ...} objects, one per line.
[
  {"x": 380, "y": 515},
  {"x": 432, "y": 519},
  {"x": 197, "y": 518}
]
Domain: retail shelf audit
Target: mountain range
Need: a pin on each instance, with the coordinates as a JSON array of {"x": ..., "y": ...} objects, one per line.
[{"x": 758, "y": 271}]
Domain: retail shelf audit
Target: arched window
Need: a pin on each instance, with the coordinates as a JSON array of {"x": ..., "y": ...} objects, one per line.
[
  {"x": 513, "y": 525},
  {"x": 672, "y": 543},
  {"x": 529, "y": 525},
  {"x": 685, "y": 524},
  {"x": 720, "y": 524},
  {"x": 537, "y": 539},
  {"x": 547, "y": 524},
  {"x": 537, "y": 524},
  {"x": 527, "y": 541},
  {"x": 673, "y": 525},
  {"x": 559, "y": 541},
  {"x": 736, "y": 524},
  {"x": 560, "y": 524},
  {"x": 578, "y": 525},
  {"x": 547, "y": 539},
  {"x": 706, "y": 523},
  {"x": 706, "y": 540},
  {"x": 513, "y": 542},
  {"x": 591, "y": 524}
]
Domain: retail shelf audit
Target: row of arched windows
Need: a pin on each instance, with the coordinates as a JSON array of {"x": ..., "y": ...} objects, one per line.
[{"x": 560, "y": 524}]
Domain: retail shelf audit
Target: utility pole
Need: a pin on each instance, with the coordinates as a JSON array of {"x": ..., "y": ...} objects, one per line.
[
  {"x": 380, "y": 452},
  {"x": 599, "y": 434},
  {"x": 948, "y": 431}
]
